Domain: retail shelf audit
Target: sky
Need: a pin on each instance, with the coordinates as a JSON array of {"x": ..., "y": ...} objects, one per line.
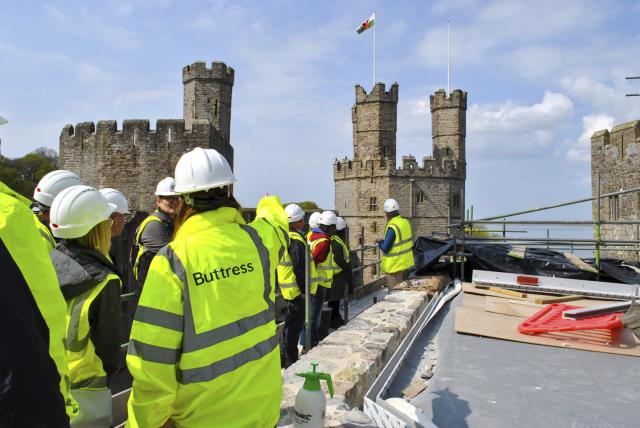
[{"x": 541, "y": 77}]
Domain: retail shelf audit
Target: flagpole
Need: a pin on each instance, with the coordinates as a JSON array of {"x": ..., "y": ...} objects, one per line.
[
  {"x": 375, "y": 24},
  {"x": 448, "y": 57}
]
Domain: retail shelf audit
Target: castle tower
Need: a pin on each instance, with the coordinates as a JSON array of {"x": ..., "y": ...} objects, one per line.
[
  {"x": 449, "y": 128},
  {"x": 374, "y": 118},
  {"x": 430, "y": 193},
  {"x": 207, "y": 94}
]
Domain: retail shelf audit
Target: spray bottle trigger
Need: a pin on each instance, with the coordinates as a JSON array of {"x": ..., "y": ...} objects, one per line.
[{"x": 327, "y": 378}]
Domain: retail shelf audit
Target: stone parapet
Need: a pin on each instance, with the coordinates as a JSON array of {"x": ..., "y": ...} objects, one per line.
[{"x": 354, "y": 355}]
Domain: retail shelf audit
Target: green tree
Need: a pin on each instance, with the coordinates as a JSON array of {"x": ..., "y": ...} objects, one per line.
[
  {"x": 22, "y": 174},
  {"x": 308, "y": 205}
]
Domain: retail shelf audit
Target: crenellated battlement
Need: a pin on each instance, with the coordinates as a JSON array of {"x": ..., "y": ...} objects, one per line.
[
  {"x": 440, "y": 100},
  {"x": 377, "y": 94},
  {"x": 166, "y": 130},
  {"x": 135, "y": 157},
  {"x": 218, "y": 71},
  {"x": 345, "y": 169}
]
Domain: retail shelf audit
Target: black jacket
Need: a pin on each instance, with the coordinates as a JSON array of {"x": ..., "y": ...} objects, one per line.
[
  {"x": 29, "y": 380},
  {"x": 80, "y": 269},
  {"x": 154, "y": 236}
]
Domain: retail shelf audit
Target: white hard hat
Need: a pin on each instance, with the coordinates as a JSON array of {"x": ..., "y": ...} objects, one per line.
[
  {"x": 53, "y": 183},
  {"x": 294, "y": 212},
  {"x": 327, "y": 218},
  {"x": 166, "y": 187},
  {"x": 340, "y": 224},
  {"x": 202, "y": 169},
  {"x": 117, "y": 198},
  {"x": 76, "y": 210},
  {"x": 313, "y": 220},
  {"x": 391, "y": 205}
]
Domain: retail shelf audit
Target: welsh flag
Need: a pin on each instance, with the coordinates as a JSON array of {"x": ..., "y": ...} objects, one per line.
[{"x": 367, "y": 24}]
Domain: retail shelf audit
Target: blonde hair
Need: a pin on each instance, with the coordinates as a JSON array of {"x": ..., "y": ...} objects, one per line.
[{"x": 98, "y": 238}]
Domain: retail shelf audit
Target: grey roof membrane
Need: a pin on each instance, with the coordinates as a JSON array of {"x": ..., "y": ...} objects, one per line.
[{"x": 484, "y": 382}]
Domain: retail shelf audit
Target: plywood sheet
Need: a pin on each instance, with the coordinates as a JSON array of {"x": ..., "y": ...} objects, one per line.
[
  {"x": 510, "y": 307},
  {"x": 474, "y": 320}
]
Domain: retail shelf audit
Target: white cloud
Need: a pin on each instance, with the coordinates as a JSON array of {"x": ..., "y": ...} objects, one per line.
[
  {"x": 485, "y": 30},
  {"x": 507, "y": 129},
  {"x": 581, "y": 149},
  {"x": 88, "y": 24}
]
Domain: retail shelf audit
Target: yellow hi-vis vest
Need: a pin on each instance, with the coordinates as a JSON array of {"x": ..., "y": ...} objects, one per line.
[
  {"x": 203, "y": 349},
  {"x": 400, "y": 256},
  {"x": 337, "y": 269},
  {"x": 141, "y": 250},
  {"x": 87, "y": 371},
  {"x": 325, "y": 269},
  {"x": 286, "y": 277},
  {"x": 31, "y": 254}
]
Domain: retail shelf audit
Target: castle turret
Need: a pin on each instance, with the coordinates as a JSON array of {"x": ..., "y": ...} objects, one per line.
[
  {"x": 374, "y": 118},
  {"x": 207, "y": 94},
  {"x": 449, "y": 128}
]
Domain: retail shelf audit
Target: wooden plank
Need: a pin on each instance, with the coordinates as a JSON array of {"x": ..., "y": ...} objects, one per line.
[
  {"x": 559, "y": 299},
  {"x": 415, "y": 388},
  {"x": 516, "y": 308},
  {"x": 470, "y": 288},
  {"x": 474, "y": 320},
  {"x": 510, "y": 293}
]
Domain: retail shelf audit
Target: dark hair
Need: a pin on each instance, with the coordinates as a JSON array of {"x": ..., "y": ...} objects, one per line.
[{"x": 205, "y": 200}]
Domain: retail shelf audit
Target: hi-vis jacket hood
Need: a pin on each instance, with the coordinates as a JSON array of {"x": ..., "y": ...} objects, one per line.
[{"x": 79, "y": 269}]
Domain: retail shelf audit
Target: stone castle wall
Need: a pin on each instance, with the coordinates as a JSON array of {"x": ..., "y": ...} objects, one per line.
[
  {"x": 133, "y": 159},
  {"x": 615, "y": 157}
]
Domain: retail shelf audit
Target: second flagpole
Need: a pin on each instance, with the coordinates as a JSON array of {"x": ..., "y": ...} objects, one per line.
[{"x": 375, "y": 24}]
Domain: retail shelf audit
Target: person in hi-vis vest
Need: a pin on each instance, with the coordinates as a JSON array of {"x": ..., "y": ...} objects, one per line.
[
  {"x": 397, "y": 246},
  {"x": 291, "y": 280},
  {"x": 80, "y": 218},
  {"x": 203, "y": 350}
]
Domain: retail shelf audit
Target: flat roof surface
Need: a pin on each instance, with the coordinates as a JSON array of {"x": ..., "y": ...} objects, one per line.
[{"x": 484, "y": 382}]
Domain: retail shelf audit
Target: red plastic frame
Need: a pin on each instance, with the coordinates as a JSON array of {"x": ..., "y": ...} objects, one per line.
[{"x": 549, "y": 319}]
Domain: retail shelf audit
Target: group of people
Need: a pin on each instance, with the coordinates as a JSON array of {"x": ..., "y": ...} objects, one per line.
[{"x": 203, "y": 349}]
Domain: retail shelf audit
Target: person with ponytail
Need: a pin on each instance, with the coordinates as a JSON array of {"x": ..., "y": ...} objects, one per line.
[{"x": 80, "y": 217}]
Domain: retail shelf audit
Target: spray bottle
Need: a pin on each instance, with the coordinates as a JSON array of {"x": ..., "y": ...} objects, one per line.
[{"x": 310, "y": 402}]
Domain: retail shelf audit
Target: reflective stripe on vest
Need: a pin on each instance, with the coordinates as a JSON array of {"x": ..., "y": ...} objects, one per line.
[
  {"x": 193, "y": 342},
  {"x": 141, "y": 250},
  {"x": 85, "y": 366},
  {"x": 345, "y": 252},
  {"x": 400, "y": 256},
  {"x": 325, "y": 269},
  {"x": 287, "y": 278}
]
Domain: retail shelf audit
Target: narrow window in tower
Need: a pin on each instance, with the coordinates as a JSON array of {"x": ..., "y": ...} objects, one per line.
[
  {"x": 373, "y": 204},
  {"x": 216, "y": 109},
  {"x": 349, "y": 166},
  {"x": 622, "y": 146},
  {"x": 374, "y": 227},
  {"x": 420, "y": 197},
  {"x": 456, "y": 200},
  {"x": 614, "y": 207}
]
